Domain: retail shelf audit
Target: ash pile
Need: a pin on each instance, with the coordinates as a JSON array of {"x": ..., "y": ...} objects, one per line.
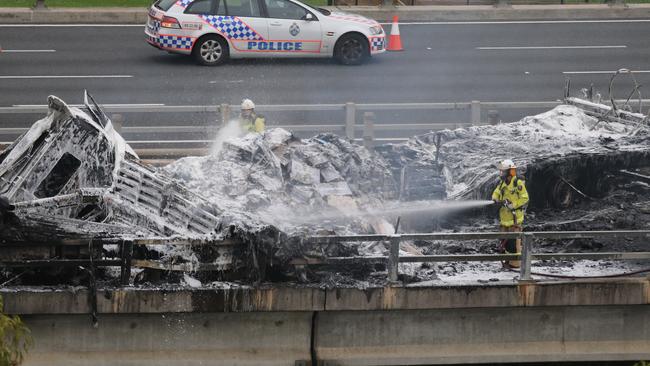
[
  {"x": 586, "y": 167},
  {"x": 72, "y": 180},
  {"x": 246, "y": 211}
]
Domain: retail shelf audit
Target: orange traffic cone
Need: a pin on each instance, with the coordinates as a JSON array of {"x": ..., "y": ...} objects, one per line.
[{"x": 394, "y": 42}]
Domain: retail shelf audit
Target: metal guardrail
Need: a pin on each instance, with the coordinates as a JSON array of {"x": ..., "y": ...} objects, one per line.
[
  {"x": 125, "y": 260},
  {"x": 526, "y": 256},
  {"x": 349, "y": 127}
]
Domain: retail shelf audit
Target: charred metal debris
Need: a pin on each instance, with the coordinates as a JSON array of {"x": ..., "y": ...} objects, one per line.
[{"x": 76, "y": 197}]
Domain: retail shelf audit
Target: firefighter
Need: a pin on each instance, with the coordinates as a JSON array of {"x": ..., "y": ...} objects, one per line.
[
  {"x": 512, "y": 196},
  {"x": 249, "y": 121}
]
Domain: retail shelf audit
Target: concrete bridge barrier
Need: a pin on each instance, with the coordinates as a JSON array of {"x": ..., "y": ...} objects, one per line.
[{"x": 549, "y": 321}]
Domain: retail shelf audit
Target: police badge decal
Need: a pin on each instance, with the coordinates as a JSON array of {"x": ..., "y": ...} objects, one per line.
[{"x": 294, "y": 29}]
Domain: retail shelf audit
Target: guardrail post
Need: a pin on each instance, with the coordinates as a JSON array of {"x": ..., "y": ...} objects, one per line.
[
  {"x": 369, "y": 131},
  {"x": 393, "y": 258},
  {"x": 476, "y": 113},
  {"x": 118, "y": 122},
  {"x": 40, "y": 5},
  {"x": 126, "y": 256},
  {"x": 224, "y": 109},
  {"x": 493, "y": 117},
  {"x": 524, "y": 270},
  {"x": 350, "y": 116}
]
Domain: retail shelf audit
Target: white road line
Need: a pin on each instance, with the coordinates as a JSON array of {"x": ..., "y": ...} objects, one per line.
[
  {"x": 26, "y": 51},
  {"x": 103, "y": 105},
  {"x": 226, "y": 81},
  {"x": 168, "y": 141},
  {"x": 603, "y": 72},
  {"x": 549, "y": 47},
  {"x": 65, "y": 76}
]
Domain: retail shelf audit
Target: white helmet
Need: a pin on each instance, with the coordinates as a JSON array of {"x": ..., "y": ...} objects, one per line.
[
  {"x": 247, "y": 104},
  {"x": 506, "y": 164}
]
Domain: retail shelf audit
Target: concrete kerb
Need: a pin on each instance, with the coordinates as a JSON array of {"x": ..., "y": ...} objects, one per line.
[
  {"x": 15, "y": 15},
  {"x": 383, "y": 14},
  {"x": 73, "y": 16}
]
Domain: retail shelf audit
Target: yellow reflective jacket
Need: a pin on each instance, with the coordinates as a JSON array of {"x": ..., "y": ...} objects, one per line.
[
  {"x": 516, "y": 193},
  {"x": 253, "y": 123}
]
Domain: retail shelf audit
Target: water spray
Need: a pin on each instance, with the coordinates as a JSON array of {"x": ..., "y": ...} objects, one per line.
[
  {"x": 228, "y": 131},
  {"x": 430, "y": 207},
  {"x": 399, "y": 209}
]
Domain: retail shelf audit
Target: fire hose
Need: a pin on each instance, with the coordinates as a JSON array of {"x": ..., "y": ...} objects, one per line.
[{"x": 624, "y": 274}]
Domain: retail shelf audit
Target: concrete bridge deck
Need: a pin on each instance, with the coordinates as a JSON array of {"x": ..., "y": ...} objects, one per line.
[{"x": 399, "y": 325}]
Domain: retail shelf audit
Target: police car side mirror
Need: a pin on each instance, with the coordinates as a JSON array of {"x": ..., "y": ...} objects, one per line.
[{"x": 309, "y": 17}]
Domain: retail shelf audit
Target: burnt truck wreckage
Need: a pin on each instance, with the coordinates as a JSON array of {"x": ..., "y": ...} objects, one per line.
[{"x": 73, "y": 189}]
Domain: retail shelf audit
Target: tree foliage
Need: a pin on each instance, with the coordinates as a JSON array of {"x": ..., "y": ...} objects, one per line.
[{"x": 15, "y": 338}]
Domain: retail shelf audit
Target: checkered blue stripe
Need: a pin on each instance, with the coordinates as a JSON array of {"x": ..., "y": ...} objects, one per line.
[
  {"x": 184, "y": 43},
  {"x": 232, "y": 27},
  {"x": 377, "y": 44},
  {"x": 155, "y": 26},
  {"x": 184, "y": 3}
]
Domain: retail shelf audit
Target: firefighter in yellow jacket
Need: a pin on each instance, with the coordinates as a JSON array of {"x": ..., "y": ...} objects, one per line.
[
  {"x": 512, "y": 196},
  {"x": 249, "y": 121}
]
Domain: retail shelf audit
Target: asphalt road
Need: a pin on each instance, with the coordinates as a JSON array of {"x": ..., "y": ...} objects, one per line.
[{"x": 441, "y": 63}]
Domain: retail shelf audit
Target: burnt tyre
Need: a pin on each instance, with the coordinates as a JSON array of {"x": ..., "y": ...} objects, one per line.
[
  {"x": 561, "y": 194},
  {"x": 352, "y": 49},
  {"x": 211, "y": 51}
]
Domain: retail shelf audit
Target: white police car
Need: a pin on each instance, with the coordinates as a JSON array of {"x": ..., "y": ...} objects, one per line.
[{"x": 214, "y": 30}]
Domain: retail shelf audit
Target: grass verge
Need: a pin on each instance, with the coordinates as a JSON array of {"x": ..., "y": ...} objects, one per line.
[
  {"x": 96, "y": 3},
  {"x": 16, "y": 3},
  {"x": 101, "y": 3}
]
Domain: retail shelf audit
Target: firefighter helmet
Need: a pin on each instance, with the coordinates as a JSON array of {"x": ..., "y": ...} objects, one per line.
[
  {"x": 506, "y": 164},
  {"x": 247, "y": 104}
]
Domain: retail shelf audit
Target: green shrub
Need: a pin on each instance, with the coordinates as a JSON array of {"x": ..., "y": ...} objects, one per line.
[{"x": 15, "y": 338}]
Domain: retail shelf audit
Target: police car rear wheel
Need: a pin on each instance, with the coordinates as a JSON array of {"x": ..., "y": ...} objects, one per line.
[
  {"x": 211, "y": 50},
  {"x": 352, "y": 49}
]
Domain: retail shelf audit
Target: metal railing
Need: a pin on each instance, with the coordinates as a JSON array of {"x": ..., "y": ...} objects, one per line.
[
  {"x": 348, "y": 127},
  {"x": 526, "y": 256},
  {"x": 125, "y": 260}
]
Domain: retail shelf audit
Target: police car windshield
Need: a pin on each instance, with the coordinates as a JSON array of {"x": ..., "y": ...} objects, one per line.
[
  {"x": 164, "y": 4},
  {"x": 324, "y": 11}
]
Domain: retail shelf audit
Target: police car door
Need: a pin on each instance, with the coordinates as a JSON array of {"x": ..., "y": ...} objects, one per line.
[
  {"x": 244, "y": 25},
  {"x": 293, "y": 30}
]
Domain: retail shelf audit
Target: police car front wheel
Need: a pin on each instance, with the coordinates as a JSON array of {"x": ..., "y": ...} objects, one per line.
[
  {"x": 210, "y": 50},
  {"x": 352, "y": 49}
]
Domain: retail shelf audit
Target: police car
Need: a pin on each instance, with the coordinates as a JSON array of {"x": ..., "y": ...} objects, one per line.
[{"x": 214, "y": 30}]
